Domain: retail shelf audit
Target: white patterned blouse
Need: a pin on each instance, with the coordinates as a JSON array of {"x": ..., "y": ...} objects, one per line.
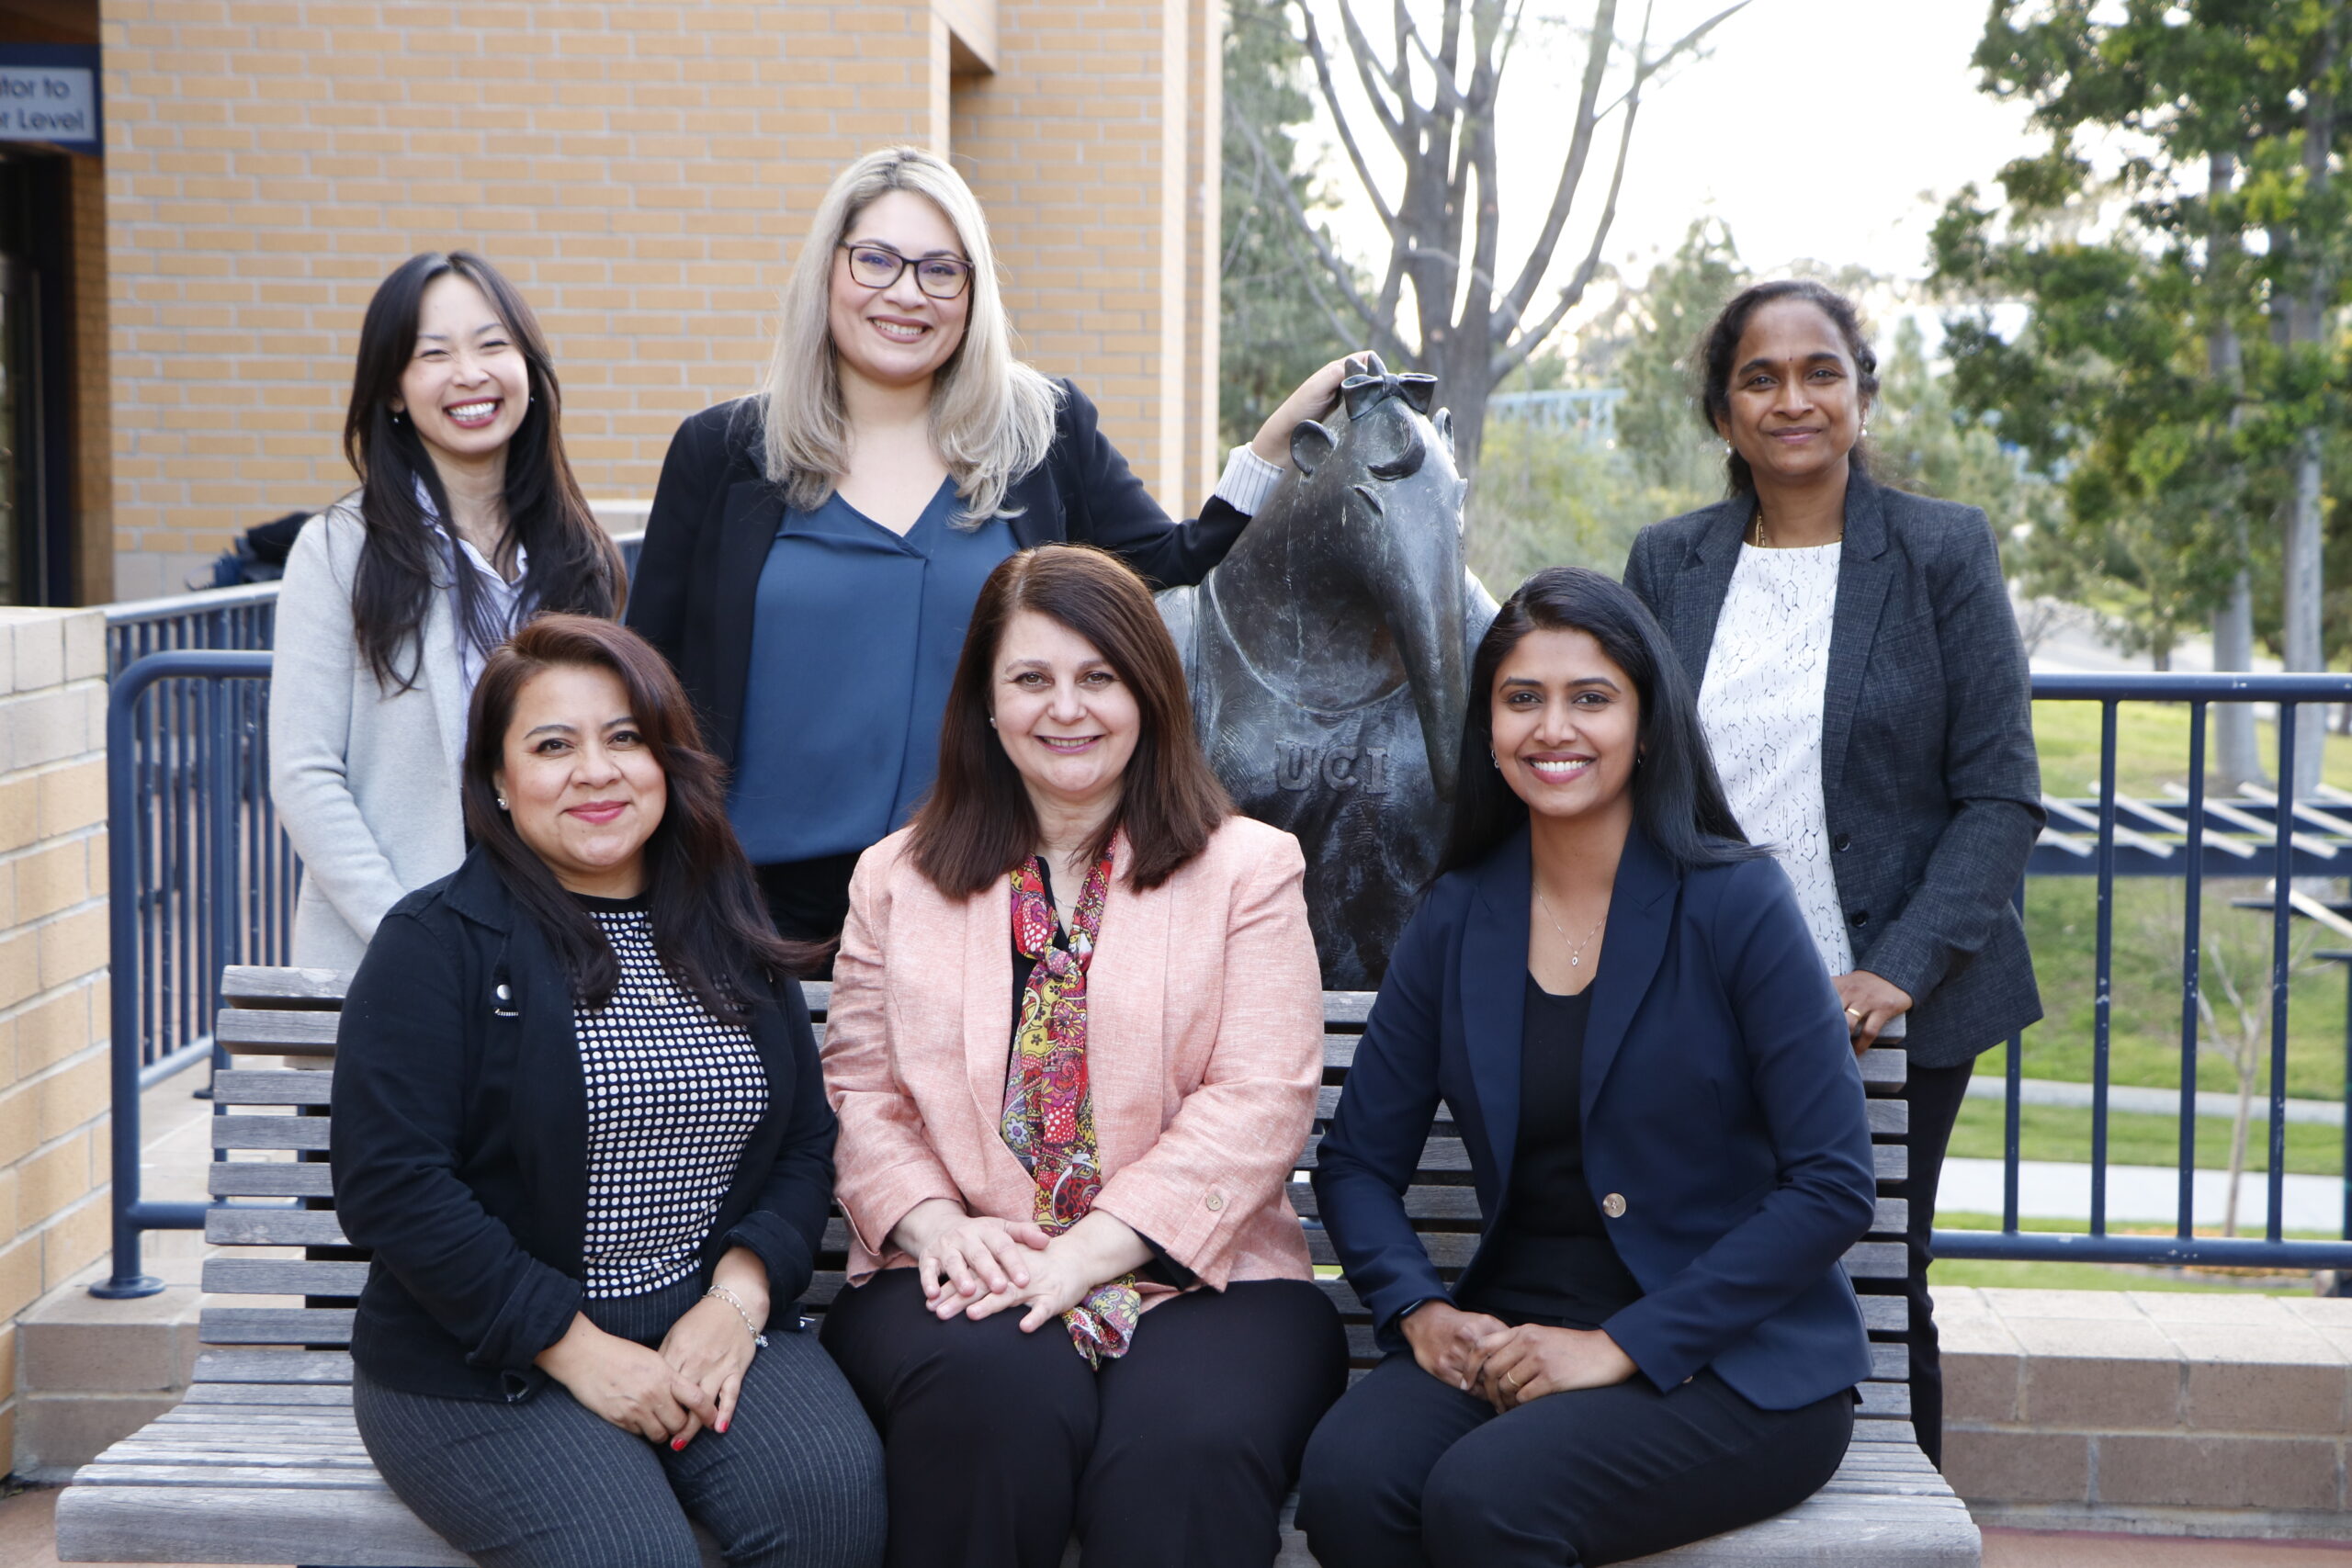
[{"x": 1760, "y": 705}]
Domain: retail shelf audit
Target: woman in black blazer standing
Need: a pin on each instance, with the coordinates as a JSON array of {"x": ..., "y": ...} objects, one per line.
[
  {"x": 1864, "y": 690},
  {"x": 1617, "y": 999},
  {"x": 579, "y": 1118},
  {"x": 814, "y": 551}
]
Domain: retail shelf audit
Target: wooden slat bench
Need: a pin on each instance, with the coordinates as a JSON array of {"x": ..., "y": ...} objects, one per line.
[{"x": 261, "y": 1461}]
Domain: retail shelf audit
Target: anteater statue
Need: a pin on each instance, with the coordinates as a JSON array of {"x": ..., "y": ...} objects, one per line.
[{"x": 1330, "y": 656}]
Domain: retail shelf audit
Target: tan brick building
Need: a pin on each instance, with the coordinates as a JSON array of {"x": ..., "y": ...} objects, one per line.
[{"x": 644, "y": 172}]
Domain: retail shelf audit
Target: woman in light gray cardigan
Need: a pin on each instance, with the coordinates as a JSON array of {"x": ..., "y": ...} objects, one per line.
[{"x": 466, "y": 522}]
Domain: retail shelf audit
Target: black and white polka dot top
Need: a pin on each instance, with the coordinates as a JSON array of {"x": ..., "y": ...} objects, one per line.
[{"x": 673, "y": 1095}]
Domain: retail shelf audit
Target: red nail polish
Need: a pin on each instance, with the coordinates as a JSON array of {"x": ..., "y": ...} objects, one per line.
[{"x": 676, "y": 1444}]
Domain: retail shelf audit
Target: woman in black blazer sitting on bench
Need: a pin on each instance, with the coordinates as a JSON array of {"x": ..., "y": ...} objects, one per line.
[
  {"x": 1620, "y": 1003},
  {"x": 578, "y": 1115}
]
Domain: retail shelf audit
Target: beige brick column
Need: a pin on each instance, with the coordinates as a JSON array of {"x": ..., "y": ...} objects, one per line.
[
  {"x": 53, "y": 997},
  {"x": 1079, "y": 145}
]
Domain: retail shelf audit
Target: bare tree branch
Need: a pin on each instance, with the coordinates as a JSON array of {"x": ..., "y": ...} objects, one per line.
[
  {"x": 1372, "y": 323},
  {"x": 1347, "y": 132},
  {"x": 1399, "y": 122},
  {"x": 1449, "y": 96},
  {"x": 1480, "y": 157},
  {"x": 1516, "y": 353},
  {"x": 1601, "y": 45},
  {"x": 1538, "y": 258}
]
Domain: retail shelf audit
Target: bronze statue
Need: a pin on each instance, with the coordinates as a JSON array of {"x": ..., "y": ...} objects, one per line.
[{"x": 1330, "y": 654}]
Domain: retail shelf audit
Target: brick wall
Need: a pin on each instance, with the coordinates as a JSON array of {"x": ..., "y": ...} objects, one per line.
[
  {"x": 53, "y": 997},
  {"x": 644, "y": 172},
  {"x": 2188, "y": 1413},
  {"x": 1078, "y": 147}
]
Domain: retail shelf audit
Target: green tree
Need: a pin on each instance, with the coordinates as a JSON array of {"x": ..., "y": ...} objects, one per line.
[
  {"x": 1657, "y": 424},
  {"x": 2184, "y": 373},
  {"x": 1276, "y": 323}
]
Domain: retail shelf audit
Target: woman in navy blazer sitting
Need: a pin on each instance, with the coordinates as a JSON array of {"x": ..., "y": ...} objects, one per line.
[{"x": 1621, "y": 1004}]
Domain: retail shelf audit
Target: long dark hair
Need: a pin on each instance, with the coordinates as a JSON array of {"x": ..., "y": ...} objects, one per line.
[
  {"x": 1678, "y": 796},
  {"x": 710, "y": 925},
  {"x": 976, "y": 823},
  {"x": 1719, "y": 347},
  {"x": 573, "y": 564}
]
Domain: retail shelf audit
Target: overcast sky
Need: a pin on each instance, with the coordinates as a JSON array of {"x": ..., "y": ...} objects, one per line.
[{"x": 1833, "y": 130}]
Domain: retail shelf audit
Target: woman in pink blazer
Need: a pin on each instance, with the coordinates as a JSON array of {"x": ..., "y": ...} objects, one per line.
[{"x": 1075, "y": 1040}]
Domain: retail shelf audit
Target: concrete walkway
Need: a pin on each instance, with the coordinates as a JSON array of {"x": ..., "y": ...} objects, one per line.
[{"x": 2048, "y": 1190}]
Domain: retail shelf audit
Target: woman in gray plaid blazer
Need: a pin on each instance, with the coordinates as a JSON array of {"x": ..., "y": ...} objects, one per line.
[{"x": 1864, "y": 691}]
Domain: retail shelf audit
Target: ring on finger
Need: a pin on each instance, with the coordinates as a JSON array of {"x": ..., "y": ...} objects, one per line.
[{"x": 1852, "y": 1013}]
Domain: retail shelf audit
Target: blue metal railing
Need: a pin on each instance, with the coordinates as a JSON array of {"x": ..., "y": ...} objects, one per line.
[
  {"x": 189, "y": 830},
  {"x": 2283, "y": 860},
  {"x": 201, "y": 876}
]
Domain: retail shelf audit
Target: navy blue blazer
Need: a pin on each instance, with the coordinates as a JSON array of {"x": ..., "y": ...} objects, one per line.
[{"x": 1720, "y": 1102}]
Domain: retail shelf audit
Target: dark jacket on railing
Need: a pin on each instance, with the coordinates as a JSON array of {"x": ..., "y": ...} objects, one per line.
[
  {"x": 1722, "y": 1116},
  {"x": 715, "y": 515},
  {"x": 461, "y": 1144},
  {"x": 1932, "y": 791}
]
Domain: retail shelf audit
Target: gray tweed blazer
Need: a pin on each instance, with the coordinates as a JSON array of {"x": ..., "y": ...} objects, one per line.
[{"x": 1928, "y": 766}]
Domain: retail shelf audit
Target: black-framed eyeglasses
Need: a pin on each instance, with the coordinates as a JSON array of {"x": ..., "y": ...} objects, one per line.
[{"x": 879, "y": 266}]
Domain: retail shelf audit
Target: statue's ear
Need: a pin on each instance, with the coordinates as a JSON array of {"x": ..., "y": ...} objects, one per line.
[
  {"x": 1310, "y": 444},
  {"x": 1372, "y": 364},
  {"x": 1445, "y": 422}
]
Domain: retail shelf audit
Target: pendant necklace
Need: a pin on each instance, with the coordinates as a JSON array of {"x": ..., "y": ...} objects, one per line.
[{"x": 1576, "y": 950}]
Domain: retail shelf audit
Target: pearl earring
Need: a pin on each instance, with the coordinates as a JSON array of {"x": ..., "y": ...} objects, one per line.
[
  {"x": 1495, "y": 759},
  {"x": 502, "y": 803},
  {"x": 991, "y": 721}
]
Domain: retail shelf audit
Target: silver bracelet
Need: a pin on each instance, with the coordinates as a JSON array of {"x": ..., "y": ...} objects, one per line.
[{"x": 724, "y": 1294}]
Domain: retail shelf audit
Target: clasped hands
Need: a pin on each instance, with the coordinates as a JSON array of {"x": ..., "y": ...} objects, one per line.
[
  {"x": 977, "y": 1265},
  {"x": 667, "y": 1395},
  {"x": 1505, "y": 1366}
]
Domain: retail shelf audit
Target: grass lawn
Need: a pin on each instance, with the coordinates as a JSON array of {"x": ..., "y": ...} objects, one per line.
[
  {"x": 2100, "y": 1276},
  {"x": 2063, "y": 1133},
  {"x": 2151, "y": 748}
]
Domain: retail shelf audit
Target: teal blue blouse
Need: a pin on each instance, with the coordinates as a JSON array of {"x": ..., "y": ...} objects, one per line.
[{"x": 854, "y": 648}]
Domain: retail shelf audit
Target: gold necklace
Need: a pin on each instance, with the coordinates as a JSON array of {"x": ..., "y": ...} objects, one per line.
[
  {"x": 1764, "y": 544},
  {"x": 1576, "y": 949}
]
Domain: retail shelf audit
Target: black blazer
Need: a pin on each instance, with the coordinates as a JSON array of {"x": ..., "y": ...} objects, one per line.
[
  {"x": 1932, "y": 791},
  {"x": 1721, "y": 1103},
  {"x": 461, "y": 1144},
  {"x": 715, "y": 514}
]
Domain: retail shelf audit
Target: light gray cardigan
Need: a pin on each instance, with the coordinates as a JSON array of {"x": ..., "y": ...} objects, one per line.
[{"x": 365, "y": 779}]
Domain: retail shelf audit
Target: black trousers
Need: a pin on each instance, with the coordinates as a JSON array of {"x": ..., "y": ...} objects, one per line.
[
  {"x": 1407, "y": 1471},
  {"x": 808, "y": 899},
  {"x": 997, "y": 1445},
  {"x": 1934, "y": 1095}
]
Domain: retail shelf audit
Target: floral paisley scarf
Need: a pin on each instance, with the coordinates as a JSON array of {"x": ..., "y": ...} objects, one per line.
[{"x": 1048, "y": 1121}]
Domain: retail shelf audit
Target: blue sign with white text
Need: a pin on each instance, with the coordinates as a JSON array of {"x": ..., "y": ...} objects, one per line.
[{"x": 48, "y": 93}]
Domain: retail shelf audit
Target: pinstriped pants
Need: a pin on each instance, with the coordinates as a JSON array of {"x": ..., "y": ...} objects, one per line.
[{"x": 795, "y": 1481}]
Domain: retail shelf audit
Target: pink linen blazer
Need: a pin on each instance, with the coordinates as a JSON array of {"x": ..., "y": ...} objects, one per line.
[{"x": 1205, "y": 1049}]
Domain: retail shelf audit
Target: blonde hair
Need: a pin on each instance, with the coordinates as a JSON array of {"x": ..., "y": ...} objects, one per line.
[{"x": 991, "y": 416}]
